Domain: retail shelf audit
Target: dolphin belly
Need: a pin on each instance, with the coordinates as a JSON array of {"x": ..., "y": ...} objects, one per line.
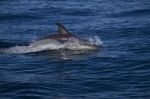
[{"x": 78, "y": 45}]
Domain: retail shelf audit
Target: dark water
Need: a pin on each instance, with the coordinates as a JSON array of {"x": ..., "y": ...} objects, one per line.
[{"x": 121, "y": 70}]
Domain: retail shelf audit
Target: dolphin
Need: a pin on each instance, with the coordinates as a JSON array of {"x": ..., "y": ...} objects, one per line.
[{"x": 64, "y": 39}]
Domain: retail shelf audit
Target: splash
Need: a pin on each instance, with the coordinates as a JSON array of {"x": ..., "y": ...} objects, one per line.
[
  {"x": 38, "y": 46},
  {"x": 49, "y": 44},
  {"x": 95, "y": 40}
]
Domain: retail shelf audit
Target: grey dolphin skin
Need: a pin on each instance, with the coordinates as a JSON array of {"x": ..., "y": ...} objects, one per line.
[{"x": 66, "y": 40}]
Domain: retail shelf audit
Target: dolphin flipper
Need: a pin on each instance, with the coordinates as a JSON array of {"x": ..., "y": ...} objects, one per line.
[{"x": 62, "y": 29}]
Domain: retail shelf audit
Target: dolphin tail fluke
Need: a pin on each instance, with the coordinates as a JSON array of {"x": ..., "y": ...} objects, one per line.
[{"x": 62, "y": 29}]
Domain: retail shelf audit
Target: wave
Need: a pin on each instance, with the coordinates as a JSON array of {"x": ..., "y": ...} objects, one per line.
[
  {"x": 137, "y": 12},
  {"x": 18, "y": 16}
]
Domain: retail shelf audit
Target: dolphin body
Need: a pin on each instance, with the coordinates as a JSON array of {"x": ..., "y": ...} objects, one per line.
[{"x": 63, "y": 39}]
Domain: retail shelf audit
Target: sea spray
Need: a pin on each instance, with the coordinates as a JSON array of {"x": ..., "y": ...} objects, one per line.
[{"x": 95, "y": 40}]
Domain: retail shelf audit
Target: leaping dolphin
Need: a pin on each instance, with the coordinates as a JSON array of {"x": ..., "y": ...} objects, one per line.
[{"x": 63, "y": 39}]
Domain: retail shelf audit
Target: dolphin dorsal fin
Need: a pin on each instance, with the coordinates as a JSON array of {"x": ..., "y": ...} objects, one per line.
[{"x": 62, "y": 29}]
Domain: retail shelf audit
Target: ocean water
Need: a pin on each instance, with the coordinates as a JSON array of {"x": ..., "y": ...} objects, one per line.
[{"x": 119, "y": 70}]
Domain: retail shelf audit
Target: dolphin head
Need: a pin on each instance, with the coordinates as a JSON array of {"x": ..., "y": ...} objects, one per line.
[{"x": 76, "y": 43}]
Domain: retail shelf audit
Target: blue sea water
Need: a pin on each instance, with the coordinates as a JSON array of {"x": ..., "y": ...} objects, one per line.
[{"x": 120, "y": 70}]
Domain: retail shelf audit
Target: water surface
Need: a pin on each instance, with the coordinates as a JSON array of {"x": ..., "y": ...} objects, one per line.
[{"x": 120, "y": 70}]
